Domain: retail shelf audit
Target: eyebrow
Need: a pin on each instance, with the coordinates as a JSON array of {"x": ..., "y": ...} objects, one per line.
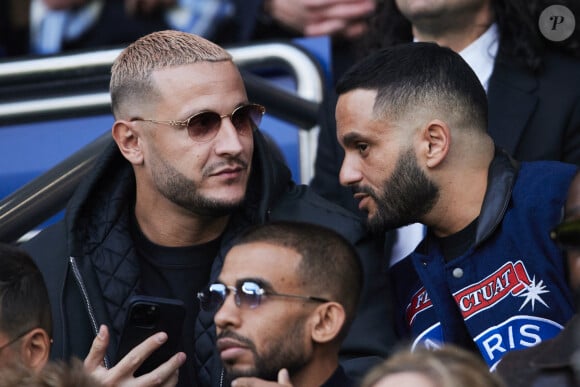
[{"x": 352, "y": 138}]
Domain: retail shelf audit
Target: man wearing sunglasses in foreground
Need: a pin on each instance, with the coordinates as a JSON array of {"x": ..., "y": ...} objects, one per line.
[
  {"x": 555, "y": 362},
  {"x": 189, "y": 170},
  {"x": 283, "y": 303}
]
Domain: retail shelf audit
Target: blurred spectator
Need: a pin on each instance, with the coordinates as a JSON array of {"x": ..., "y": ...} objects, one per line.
[
  {"x": 345, "y": 21},
  {"x": 25, "y": 317},
  {"x": 14, "y": 27},
  {"x": 60, "y": 25},
  {"x": 555, "y": 362},
  {"x": 530, "y": 80},
  {"x": 54, "y": 374},
  {"x": 448, "y": 366}
]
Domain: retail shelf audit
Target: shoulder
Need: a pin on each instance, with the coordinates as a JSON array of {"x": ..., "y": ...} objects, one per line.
[
  {"x": 546, "y": 176},
  {"x": 302, "y": 204},
  {"x": 50, "y": 242}
]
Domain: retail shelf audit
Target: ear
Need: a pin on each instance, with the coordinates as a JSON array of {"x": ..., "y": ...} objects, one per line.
[
  {"x": 435, "y": 140},
  {"x": 328, "y": 320},
  {"x": 128, "y": 141},
  {"x": 36, "y": 349}
]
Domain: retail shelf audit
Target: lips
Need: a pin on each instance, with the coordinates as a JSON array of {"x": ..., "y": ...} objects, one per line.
[
  {"x": 227, "y": 171},
  {"x": 360, "y": 196},
  {"x": 230, "y": 348}
]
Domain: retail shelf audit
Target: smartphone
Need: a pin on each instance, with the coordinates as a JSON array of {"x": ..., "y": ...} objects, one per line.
[{"x": 148, "y": 315}]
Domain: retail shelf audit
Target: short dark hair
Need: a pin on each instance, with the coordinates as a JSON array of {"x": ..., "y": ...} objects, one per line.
[
  {"x": 24, "y": 302},
  {"x": 329, "y": 266},
  {"x": 412, "y": 75}
]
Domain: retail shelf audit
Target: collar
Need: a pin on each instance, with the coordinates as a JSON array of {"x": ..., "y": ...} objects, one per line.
[
  {"x": 501, "y": 179},
  {"x": 481, "y": 53}
]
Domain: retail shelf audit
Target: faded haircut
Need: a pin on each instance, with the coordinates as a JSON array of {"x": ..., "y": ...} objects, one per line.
[
  {"x": 131, "y": 71},
  {"x": 329, "y": 266},
  {"x": 24, "y": 302},
  {"x": 413, "y": 76}
]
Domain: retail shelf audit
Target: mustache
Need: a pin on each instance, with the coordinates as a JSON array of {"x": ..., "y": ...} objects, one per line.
[
  {"x": 232, "y": 162},
  {"x": 233, "y": 335},
  {"x": 362, "y": 189}
]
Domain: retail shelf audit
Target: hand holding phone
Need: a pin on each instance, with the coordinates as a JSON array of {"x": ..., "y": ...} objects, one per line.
[
  {"x": 166, "y": 375},
  {"x": 146, "y": 316}
]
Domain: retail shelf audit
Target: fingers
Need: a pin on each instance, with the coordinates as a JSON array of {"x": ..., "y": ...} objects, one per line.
[
  {"x": 122, "y": 374},
  {"x": 98, "y": 350},
  {"x": 137, "y": 355},
  {"x": 283, "y": 380},
  {"x": 253, "y": 382},
  {"x": 284, "y": 377},
  {"x": 166, "y": 375},
  {"x": 346, "y": 10}
]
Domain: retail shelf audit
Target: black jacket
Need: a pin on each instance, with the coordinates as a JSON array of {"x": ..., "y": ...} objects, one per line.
[{"x": 92, "y": 269}]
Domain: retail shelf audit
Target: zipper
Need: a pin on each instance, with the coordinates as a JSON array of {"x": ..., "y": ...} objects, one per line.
[
  {"x": 222, "y": 378},
  {"x": 81, "y": 284}
]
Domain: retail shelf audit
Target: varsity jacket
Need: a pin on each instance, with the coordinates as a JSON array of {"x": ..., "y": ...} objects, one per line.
[
  {"x": 509, "y": 289},
  {"x": 92, "y": 269}
]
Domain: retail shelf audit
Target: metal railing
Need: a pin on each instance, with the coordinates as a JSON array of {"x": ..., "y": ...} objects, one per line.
[{"x": 46, "y": 195}]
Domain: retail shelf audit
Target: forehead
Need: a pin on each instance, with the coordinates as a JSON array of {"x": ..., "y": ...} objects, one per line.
[
  {"x": 355, "y": 105},
  {"x": 219, "y": 81},
  {"x": 357, "y": 121},
  {"x": 274, "y": 263}
]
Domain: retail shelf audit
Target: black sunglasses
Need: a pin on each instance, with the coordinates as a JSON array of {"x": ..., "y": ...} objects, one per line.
[
  {"x": 248, "y": 294},
  {"x": 205, "y": 125},
  {"x": 567, "y": 234}
]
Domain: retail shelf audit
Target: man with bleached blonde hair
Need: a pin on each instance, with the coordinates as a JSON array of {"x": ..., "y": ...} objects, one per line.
[{"x": 188, "y": 171}]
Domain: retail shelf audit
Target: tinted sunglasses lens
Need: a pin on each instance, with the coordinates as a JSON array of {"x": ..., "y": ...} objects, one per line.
[
  {"x": 247, "y": 118},
  {"x": 204, "y": 126},
  {"x": 250, "y": 294},
  {"x": 213, "y": 297},
  {"x": 567, "y": 234}
]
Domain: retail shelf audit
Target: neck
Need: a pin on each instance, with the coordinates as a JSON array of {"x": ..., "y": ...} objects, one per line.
[
  {"x": 177, "y": 227},
  {"x": 462, "y": 192},
  {"x": 317, "y": 372}
]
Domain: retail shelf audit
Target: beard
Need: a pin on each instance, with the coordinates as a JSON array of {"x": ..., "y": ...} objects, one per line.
[
  {"x": 407, "y": 195},
  {"x": 183, "y": 191},
  {"x": 285, "y": 351}
]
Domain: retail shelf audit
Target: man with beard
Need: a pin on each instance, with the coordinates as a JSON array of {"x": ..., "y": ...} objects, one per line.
[
  {"x": 412, "y": 120},
  {"x": 289, "y": 309},
  {"x": 530, "y": 80},
  {"x": 187, "y": 172},
  {"x": 555, "y": 362}
]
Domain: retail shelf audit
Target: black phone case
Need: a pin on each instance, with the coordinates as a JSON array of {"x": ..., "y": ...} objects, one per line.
[{"x": 148, "y": 315}]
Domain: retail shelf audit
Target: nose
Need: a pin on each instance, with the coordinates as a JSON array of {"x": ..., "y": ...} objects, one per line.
[
  {"x": 228, "y": 141},
  {"x": 349, "y": 172},
  {"x": 228, "y": 315}
]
